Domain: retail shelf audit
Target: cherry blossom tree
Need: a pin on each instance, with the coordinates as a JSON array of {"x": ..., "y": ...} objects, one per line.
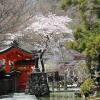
[
  {"x": 47, "y": 30},
  {"x": 50, "y": 24},
  {"x": 51, "y": 27},
  {"x": 52, "y": 31}
]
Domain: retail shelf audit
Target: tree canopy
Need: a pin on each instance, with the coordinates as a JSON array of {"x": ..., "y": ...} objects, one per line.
[{"x": 87, "y": 32}]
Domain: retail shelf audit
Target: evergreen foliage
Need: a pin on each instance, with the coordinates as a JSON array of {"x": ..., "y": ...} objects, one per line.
[{"x": 87, "y": 34}]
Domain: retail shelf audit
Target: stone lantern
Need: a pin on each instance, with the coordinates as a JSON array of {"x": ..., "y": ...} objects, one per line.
[{"x": 37, "y": 80}]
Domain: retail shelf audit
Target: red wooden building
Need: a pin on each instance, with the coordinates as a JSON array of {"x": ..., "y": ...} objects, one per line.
[{"x": 20, "y": 59}]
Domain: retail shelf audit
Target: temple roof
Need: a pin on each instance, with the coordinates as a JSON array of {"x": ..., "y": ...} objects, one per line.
[{"x": 25, "y": 47}]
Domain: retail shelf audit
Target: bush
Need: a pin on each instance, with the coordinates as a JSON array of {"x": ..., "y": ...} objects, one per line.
[{"x": 86, "y": 86}]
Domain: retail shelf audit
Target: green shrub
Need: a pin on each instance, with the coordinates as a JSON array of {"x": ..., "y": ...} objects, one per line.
[{"x": 86, "y": 86}]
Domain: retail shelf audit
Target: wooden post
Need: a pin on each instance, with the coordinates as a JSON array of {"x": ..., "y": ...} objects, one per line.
[
  {"x": 53, "y": 82},
  {"x": 65, "y": 81}
]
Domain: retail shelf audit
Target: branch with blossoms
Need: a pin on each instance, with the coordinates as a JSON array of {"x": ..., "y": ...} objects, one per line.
[{"x": 50, "y": 26}]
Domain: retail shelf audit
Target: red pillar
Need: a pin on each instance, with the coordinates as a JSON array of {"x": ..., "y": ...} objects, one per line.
[{"x": 7, "y": 66}]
